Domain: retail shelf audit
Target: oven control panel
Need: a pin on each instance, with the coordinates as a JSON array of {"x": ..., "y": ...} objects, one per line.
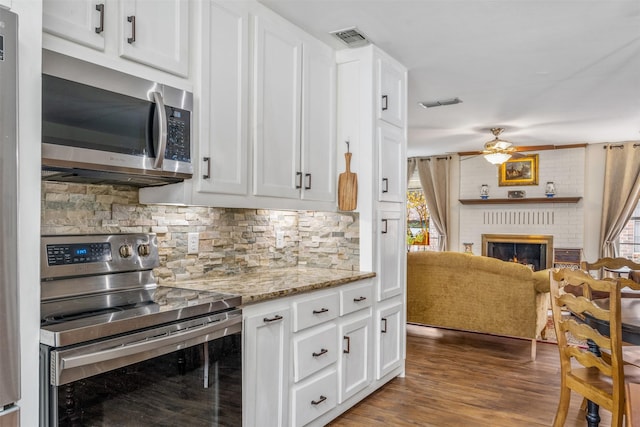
[{"x": 76, "y": 255}]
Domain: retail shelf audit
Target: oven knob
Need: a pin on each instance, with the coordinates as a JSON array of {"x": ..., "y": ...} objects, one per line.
[
  {"x": 125, "y": 251},
  {"x": 144, "y": 250}
]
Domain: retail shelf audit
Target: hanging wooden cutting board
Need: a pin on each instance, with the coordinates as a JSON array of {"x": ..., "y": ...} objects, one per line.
[{"x": 347, "y": 187}]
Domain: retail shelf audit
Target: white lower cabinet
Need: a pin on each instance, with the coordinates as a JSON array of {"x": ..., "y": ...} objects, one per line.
[
  {"x": 354, "y": 370},
  {"x": 390, "y": 337},
  {"x": 267, "y": 329},
  {"x": 314, "y": 398},
  {"x": 310, "y": 357}
]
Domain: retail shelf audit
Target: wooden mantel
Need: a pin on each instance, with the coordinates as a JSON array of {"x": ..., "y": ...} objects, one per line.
[{"x": 519, "y": 201}]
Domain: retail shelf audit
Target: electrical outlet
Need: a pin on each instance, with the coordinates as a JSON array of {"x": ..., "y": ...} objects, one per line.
[
  {"x": 279, "y": 239},
  {"x": 193, "y": 240}
]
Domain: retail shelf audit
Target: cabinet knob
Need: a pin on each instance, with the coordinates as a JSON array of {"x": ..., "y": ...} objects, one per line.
[
  {"x": 100, "y": 8},
  {"x": 385, "y": 185},
  {"x": 308, "y": 178},
  {"x": 132, "y": 19},
  {"x": 384, "y": 230},
  {"x": 319, "y": 401},
  {"x": 384, "y": 329},
  {"x": 348, "y": 350},
  {"x": 207, "y": 160},
  {"x": 272, "y": 319},
  {"x": 298, "y": 180},
  {"x": 385, "y": 103}
]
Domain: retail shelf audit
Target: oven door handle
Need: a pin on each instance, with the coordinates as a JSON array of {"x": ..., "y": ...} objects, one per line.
[{"x": 136, "y": 350}]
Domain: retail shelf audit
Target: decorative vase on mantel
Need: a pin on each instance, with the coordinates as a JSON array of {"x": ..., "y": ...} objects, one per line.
[{"x": 550, "y": 189}]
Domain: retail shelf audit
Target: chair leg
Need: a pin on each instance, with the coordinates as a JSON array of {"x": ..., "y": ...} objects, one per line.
[
  {"x": 632, "y": 405},
  {"x": 583, "y": 405},
  {"x": 533, "y": 349},
  {"x": 563, "y": 407}
]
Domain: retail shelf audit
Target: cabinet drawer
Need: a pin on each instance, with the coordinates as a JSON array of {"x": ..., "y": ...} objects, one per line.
[
  {"x": 314, "y": 398},
  {"x": 314, "y": 350},
  {"x": 356, "y": 298},
  {"x": 315, "y": 310}
]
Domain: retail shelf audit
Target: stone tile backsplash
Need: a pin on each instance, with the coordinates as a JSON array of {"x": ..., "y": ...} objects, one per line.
[{"x": 230, "y": 240}]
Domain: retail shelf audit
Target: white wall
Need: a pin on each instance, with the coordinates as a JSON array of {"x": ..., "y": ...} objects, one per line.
[{"x": 576, "y": 172}]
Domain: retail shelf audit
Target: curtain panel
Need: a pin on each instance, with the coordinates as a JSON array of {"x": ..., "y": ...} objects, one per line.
[{"x": 621, "y": 193}]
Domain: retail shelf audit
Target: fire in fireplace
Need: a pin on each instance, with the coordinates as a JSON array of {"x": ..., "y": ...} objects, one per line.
[{"x": 531, "y": 250}]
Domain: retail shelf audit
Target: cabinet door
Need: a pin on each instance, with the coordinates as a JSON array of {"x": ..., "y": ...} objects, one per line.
[
  {"x": 390, "y": 339},
  {"x": 223, "y": 128},
  {"x": 79, "y": 21},
  {"x": 156, "y": 33},
  {"x": 318, "y": 123},
  {"x": 391, "y": 93},
  {"x": 266, "y": 369},
  {"x": 391, "y": 164},
  {"x": 355, "y": 364},
  {"x": 390, "y": 254},
  {"x": 277, "y": 73}
]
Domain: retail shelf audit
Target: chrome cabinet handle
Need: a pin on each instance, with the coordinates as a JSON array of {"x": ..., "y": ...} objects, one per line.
[
  {"x": 298, "y": 180},
  {"x": 132, "y": 19},
  {"x": 384, "y": 330},
  {"x": 385, "y": 183},
  {"x": 273, "y": 319},
  {"x": 319, "y": 401},
  {"x": 100, "y": 8},
  {"x": 384, "y": 230},
  {"x": 322, "y": 351},
  {"x": 348, "y": 350},
  {"x": 359, "y": 299},
  {"x": 308, "y": 178},
  {"x": 162, "y": 124},
  {"x": 207, "y": 160},
  {"x": 322, "y": 310},
  {"x": 385, "y": 103}
]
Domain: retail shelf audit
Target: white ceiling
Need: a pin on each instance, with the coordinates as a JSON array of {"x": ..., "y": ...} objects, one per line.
[{"x": 549, "y": 72}]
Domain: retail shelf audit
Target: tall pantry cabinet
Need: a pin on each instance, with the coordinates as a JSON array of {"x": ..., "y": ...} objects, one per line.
[{"x": 372, "y": 118}]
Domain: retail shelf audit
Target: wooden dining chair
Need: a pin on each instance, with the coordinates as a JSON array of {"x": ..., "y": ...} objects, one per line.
[
  {"x": 605, "y": 266},
  {"x": 600, "y": 380}
]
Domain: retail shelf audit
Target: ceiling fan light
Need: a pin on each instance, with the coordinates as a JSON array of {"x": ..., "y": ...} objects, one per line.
[{"x": 497, "y": 158}]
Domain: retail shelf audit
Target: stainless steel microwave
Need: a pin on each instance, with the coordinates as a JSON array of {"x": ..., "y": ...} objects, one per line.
[{"x": 103, "y": 126}]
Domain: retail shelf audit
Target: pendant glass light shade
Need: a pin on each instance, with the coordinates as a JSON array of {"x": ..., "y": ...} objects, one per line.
[{"x": 497, "y": 158}]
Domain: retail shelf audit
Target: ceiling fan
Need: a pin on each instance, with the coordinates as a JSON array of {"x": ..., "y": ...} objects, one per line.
[{"x": 498, "y": 151}]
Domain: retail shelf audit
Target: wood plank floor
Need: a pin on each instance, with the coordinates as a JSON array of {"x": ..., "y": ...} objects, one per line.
[{"x": 464, "y": 379}]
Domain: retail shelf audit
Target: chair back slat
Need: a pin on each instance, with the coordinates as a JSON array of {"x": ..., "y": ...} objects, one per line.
[
  {"x": 610, "y": 263},
  {"x": 579, "y": 366}
]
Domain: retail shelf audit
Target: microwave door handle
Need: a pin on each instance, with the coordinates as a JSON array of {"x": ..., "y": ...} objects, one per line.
[{"x": 162, "y": 124}]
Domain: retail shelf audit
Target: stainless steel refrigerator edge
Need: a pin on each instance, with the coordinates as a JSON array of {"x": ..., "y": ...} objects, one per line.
[{"x": 9, "y": 325}]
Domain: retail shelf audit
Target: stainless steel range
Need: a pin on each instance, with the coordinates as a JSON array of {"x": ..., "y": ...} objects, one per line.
[{"x": 117, "y": 349}]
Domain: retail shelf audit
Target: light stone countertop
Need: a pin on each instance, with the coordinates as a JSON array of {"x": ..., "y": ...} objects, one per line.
[{"x": 270, "y": 283}]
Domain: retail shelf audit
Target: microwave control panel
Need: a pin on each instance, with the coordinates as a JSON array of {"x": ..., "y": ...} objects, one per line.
[{"x": 178, "y": 135}]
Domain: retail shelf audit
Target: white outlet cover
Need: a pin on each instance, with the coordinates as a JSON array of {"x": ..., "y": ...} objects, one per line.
[{"x": 193, "y": 241}]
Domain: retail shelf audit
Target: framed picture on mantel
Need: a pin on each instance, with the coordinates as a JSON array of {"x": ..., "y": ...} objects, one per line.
[{"x": 519, "y": 171}]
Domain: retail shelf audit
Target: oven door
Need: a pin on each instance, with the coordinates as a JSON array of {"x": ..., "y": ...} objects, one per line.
[{"x": 182, "y": 374}]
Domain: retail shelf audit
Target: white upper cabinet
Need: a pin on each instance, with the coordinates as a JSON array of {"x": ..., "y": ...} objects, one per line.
[
  {"x": 80, "y": 21},
  {"x": 277, "y": 116},
  {"x": 223, "y": 140},
  {"x": 391, "y": 160},
  {"x": 318, "y": 123},
  {"x": 156, "y": 33},
  {"x": 150, "y": 32},
  {"x": 294, "y": 120},
  {"x": 391, "y": 93}
]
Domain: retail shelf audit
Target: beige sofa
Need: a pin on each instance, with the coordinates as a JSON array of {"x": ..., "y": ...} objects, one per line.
[{"x": 476, "y": 293}]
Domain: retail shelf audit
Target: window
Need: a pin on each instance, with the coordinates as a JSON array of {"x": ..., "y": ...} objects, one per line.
[
  {"x": 629, "y": 239},
  {"x": 418, "y": 219}
]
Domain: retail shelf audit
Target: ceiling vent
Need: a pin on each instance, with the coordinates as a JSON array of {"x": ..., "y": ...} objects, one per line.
[
  {"x": 352, "y": 37},
  {"x": 440, "y": 102}
]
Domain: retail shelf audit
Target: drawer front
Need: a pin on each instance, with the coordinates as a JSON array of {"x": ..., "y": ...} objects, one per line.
[
  {"x": 315, "y": 310},
  {"x": 356, "y": 298},
  {"x": 314, "y": 398},
  {"x": 314, "y": 350}
]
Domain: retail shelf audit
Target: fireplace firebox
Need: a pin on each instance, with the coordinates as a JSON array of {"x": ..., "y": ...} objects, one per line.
[{"x": 534, "y": 251}]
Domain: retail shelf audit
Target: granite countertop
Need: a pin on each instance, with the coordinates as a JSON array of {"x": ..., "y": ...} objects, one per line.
[{"x": 271, "y": 283}]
